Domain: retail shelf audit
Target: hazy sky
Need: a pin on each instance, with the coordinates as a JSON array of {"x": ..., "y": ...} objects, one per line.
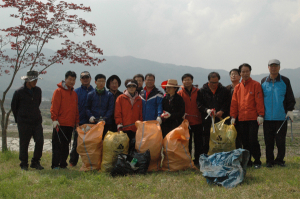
[{"x": 215, "y": 34}]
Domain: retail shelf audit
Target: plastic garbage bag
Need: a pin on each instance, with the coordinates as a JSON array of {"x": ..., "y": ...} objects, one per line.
[
  {"x": 176, "y": 149},
  {"x": 227, "y": 168},
  {"x": 149, "y": 136},
  {"x": 89, "y": 145},
  {"x": 223, "y": 139},
  {"x": 137, "y": 163},
  {"x": 113, "y": 145}
]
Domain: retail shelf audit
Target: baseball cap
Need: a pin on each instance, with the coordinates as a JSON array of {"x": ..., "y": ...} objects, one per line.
[
  {"x": 274, "y": 61},
  {"x": 85, "y": 74}
]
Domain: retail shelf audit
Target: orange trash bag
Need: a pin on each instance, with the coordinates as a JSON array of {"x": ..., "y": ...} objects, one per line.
[
  {"x": 149, "y": 136},
  {"x": 89, "y": 145},
  {"x": 176, "y": 149}
]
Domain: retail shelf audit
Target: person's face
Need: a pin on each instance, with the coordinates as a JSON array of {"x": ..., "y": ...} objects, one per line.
[
  {"x": 170, "y": 90},
  {"x": 150, "y": 82},
  {"x": 33, "y": 83},
  {"x": 187, "y": 82},
  {"x": 85, "y": 81},
  {"x": 139, "y": 81},
  {"x": 131, "y": 89},
  {"x": 70, "y": 81},
  {"x": 114, "y": 85},
  {"x": 100, "y": 83},
  {"x": 274, "y": 69},
  {"x": 213, "y": 83},
  {"x": 234, "y": 76},
  {"x": 245, "y": 73}
]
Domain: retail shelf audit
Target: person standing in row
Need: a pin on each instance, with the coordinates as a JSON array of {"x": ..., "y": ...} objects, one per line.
[
  {"x": 212, "y": 99},
  {"x": 140, "y": 80},
  {"x": 192, "y": 114},
  {"x": 25, "y": 106},
  {"x": 65, "y": 115},
  {"x": 279, "y": 104},
  {"x": 152, "y": 100},
  {"x": 235, "y": 78},
  {"x": 82, "y": 92},
  {"x": 100, "y": 104},
  {"x": 129, "y": 109},
  {"x": 173, "y": 108},
  {"x": 113, "y": 83},
  {"x": 248, "y": 104}
]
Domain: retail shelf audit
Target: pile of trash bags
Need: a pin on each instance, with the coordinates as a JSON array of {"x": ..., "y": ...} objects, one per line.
[
  {"x": 227, "y": 168},
  {"x": 222, "y": 137}
]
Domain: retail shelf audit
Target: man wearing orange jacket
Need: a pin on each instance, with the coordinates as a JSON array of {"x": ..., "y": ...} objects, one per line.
[
  {"x": 192, "y": 114},
  {"x": 65, "y": 115},
  {"x": 248, "y": 104}
]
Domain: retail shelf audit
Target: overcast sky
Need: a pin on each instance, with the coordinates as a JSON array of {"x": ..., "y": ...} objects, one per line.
[{"x": 217, "y": 34}]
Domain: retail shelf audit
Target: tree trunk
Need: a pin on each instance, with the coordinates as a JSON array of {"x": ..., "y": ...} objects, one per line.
[{"x": 4, "y": 129}]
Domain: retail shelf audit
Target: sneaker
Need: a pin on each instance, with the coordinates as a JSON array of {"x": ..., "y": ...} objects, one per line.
[
  {"x": 257, "y": 166},
  {"x": 25, "y": 168},
  {"x": 269, "y": 165},
  {"x": 36, "y": 165},
  {"x": 281, "y": 164}
]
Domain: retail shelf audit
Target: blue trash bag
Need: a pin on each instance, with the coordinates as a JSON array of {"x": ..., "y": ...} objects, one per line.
[{"x": 227, "y": 168}]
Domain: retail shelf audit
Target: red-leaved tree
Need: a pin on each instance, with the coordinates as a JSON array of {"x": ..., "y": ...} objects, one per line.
[{"x": 42, "y": 23}]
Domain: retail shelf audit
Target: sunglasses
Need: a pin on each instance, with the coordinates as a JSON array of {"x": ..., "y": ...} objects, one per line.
[{"x": 131, "y": 86}]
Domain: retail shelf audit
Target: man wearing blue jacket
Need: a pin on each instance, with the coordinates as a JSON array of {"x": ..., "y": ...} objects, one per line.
[
  {"x": 152, "y": 100},
  {"x": 279, "y": 103},
  {"x": 82, "y": 92},
  {"x": 100, "y": 104}
]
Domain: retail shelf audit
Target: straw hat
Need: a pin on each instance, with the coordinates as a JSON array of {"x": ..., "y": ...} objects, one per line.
[{"x": 172, "y": 83}]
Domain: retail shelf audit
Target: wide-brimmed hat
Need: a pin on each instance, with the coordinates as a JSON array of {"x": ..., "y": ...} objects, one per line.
[
  {"x": 31, "y": 76},
  {"x": 111, "y": 78},
  {"x": 172, "y": 83}
]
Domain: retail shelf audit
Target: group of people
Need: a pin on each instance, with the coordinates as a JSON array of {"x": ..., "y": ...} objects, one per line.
[{"x": 248, "y": 102}]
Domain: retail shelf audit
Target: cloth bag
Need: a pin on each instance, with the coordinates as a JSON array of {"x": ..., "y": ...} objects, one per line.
[
  {"x": 149, "y": 136},
  {"x": 89, "y": 145},
  {"x": 222, "y": 137},
  {"x": 176, "y": 149},
  {"x": 113, "y": 145}
]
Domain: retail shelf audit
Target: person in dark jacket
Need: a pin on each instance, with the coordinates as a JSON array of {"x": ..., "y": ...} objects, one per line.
[
  {"x": 82, "y": 92},
  {"x": 173, "y": 108},
  {"x": 113, "y": 83},
  {"x": 25, "y": 107},
  {"x": 212, "y": 99},
  {"x": 100, "y": 104},
  {"x": 140, "y": 80},
  {"x": 152, "y": 100},
  {"x": 235, "y": 78},
  {"x": 278, "y": 90}
]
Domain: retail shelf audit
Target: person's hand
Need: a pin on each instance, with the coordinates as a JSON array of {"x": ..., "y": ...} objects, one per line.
[
  {"x": 290, "y": 115},
  {"x": 260, "y": 120},
  {"x": 166, "y": 115},
  {"x": 119, "y": 127},
  {"x": 77, "y": 125},
  {"x": 92, "y": 119},
  {"x": 232, "y": 121},
  {"x": 55, "y": 124},
  {"x": 219, "y": 114},
  {"x": 159, "y": 120}
]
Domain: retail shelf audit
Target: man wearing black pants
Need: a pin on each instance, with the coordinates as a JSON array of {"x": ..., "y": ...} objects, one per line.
[
  {"x": 25, "y": 107},
  {"x": 279, "y": 104}
]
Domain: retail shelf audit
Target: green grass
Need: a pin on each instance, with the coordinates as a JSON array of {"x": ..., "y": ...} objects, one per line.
[{"x": 276, "y": 182}]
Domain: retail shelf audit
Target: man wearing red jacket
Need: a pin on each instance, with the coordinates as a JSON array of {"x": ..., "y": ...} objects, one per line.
[
  {"x": 65, "y": 115},
  {"x": 248, "y": 104},
  {"x": 192, "y": 114}
]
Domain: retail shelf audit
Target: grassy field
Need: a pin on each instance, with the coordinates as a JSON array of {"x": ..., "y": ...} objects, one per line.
[{"x": 276, "y": 182}]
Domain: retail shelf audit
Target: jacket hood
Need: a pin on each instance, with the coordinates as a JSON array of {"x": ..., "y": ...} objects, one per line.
[
  {"x": 128, "y": 94},
  {"x": 63, "y": 85}
]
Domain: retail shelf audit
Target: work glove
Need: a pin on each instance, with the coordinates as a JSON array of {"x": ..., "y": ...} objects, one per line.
[
  {"x": 159, "y": 120},
  {"x": 55, "y": 124},
  {"x": 290, "y": 115},
  {"x": 119, "y": 127},
  {"x": 260, "y": 120},
  {"x": 92, "y": 119},
  {"x": 166, "y": 115},
  {"x": 211, "y": 112},
  {"x": 232, "y": 121}
]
